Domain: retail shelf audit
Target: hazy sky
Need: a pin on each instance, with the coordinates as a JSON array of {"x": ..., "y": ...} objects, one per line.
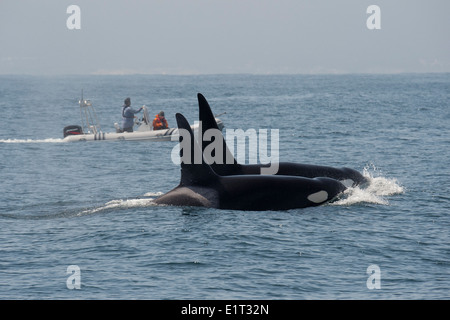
[{"x": 223, "y": 36}]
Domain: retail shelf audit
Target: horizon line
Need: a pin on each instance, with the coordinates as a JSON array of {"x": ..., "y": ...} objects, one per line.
[{"x": 223, "y": 74}]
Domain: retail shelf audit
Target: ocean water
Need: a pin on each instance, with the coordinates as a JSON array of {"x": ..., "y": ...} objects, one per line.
[{"x": 90, "y": 205}]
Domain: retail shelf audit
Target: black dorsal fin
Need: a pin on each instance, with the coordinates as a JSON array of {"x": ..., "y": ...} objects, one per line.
[
  {"x": 194, "y": 170},
  {"x": 208, "y": 121}
]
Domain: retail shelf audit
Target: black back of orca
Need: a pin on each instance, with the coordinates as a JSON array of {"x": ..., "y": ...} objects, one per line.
[
  {"x": 201, "y": 186},
  {"x": 284, "y": 168}
]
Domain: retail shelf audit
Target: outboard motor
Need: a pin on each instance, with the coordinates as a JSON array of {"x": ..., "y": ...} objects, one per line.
[{"x": 72, "y": 130}]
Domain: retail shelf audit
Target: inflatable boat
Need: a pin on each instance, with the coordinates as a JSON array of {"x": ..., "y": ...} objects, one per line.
[{"x": 90, "y": 129}]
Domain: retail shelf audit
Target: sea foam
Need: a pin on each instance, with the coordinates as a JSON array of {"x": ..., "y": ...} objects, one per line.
[{"x": 375, "y": 191}]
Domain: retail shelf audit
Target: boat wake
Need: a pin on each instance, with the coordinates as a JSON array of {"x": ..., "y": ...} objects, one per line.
[
  {"x": 49, "y": 140},
  {"x": 376, "y": 190},
  {"x": 124, "y": 204}
]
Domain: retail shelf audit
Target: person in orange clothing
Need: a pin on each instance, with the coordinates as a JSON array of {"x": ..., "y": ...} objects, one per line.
[{"x": 160, "y": 122}]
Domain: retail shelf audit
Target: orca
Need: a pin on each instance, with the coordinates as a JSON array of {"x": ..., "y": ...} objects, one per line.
[
  {"x": 200, "y": 186},
  {"x": 349, "y": 177}
]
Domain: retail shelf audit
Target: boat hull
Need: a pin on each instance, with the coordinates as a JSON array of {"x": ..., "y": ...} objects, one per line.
[
  {"x": 141, "y": 134},
  {"x": 158, "y": 135}
]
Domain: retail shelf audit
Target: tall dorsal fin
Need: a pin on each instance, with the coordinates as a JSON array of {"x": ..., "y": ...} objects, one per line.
[
  {"x": 195, "y": 171},
  {"x": 208, "y": 121}
]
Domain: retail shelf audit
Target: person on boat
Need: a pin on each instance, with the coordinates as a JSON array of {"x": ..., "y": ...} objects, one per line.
[
  {"x": 128, "y": 115},
  {"x": 160, "y": 122}
]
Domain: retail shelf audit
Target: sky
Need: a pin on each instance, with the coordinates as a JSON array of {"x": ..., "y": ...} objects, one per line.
[{"x": 223, "y": 37}]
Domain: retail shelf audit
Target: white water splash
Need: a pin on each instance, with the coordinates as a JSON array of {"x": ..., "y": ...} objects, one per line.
[
  {"x": 49, "y": 140},
  {"x": 124, "y": 204},
  {"x": 377, "y": 189},
  {"x": 153, "y": 194}
]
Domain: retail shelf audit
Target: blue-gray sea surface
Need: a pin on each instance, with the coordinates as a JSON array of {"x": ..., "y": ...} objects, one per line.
[{"x": 90, "y": 204}]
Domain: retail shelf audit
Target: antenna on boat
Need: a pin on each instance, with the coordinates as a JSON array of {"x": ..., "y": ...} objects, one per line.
[{"x": 88, "y": 115}]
